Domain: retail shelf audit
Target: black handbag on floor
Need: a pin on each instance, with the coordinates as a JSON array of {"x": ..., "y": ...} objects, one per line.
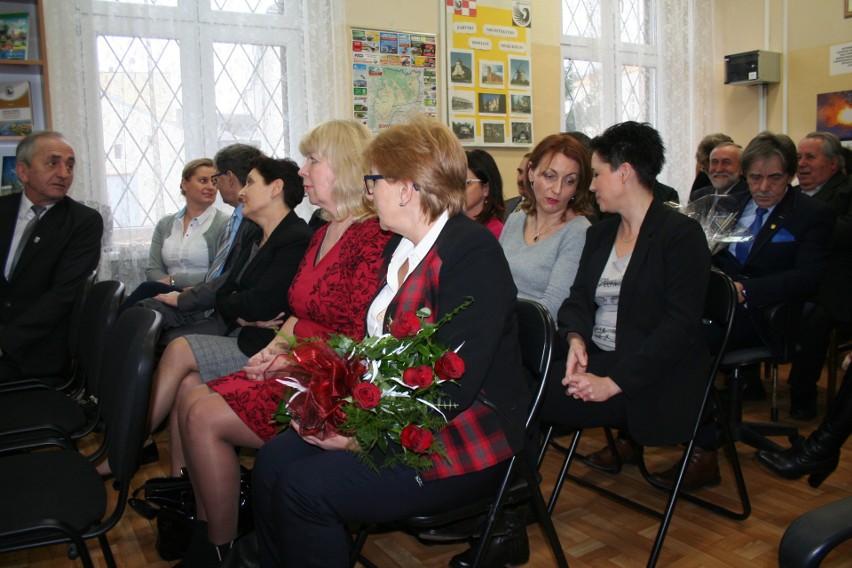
[{"x": 171, "y": 501}]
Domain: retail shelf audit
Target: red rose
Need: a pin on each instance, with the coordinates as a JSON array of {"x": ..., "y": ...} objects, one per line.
[
  {"x": 366, "y": 395},
  {"x": 419, "y": 377},
  {"x": 406, "y": 325},
  {"x": 449, "y": 366},
  {"x": 415, "y": 438}
]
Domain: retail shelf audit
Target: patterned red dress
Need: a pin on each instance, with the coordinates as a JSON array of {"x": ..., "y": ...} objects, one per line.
[{"x": 329, "y": 296}]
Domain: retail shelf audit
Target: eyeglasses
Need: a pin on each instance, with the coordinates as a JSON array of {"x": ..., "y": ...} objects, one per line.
[
  {"x": 472, "y": 181},
  {"x": 370, "y": 182},
  {"x": 214, "y": 176}
]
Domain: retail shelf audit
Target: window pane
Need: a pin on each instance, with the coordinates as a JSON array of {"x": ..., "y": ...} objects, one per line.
[
  {"x": 250, "y": 96},
  {"x": 638, "y": 85},
  {"x": 581, "y": 18},
  {"x": 140, "y": 100},
  {"x": 582, "y": 105},
  {"x": 167, "y": 3},
  {"x": 248, "y": 6},
  {"x": 635, "y": 22}
]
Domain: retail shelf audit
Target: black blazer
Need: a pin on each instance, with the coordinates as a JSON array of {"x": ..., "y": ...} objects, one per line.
[
  {"x": 739, "y": 188},
  {"x": 259, "y": 291},
  {"x": 786, "y": 261},
  {"x": 837, "y": 194},
  {"x": 662, "y": 357},
  {"x": 35, "y": 303},
  {"x": 202, "y": 296}
]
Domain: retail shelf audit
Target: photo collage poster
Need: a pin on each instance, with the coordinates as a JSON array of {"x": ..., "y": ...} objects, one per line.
[
  {"x": 489, "y": 79},
  {"x": 393, "y": 76}
]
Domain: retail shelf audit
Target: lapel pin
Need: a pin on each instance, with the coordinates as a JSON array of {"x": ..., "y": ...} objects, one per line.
[{"x": 772, "y": 226}]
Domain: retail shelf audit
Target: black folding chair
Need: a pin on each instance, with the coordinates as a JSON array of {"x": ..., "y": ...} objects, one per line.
[
  {"x": 40, "y": 411},
  {"x": 719, "y": 307},
  {"x": 520, "y": 483},
  {"x": 52, "y": 497}
]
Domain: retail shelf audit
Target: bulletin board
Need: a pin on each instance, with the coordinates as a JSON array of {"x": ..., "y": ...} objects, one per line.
[
  {"x": 488, "y": 71},
  {"x": 394, "y": 75}
]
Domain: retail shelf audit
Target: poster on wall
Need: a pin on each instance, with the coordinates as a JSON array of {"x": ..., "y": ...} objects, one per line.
[
  {"x": 488, "y": 71},
  {"x": 834, "y": 114},
  {"x": 393, "y": 76}
]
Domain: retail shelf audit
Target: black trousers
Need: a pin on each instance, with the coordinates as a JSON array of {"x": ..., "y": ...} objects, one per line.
[
  {"x": 305, "y": 496},
  {"x": 813, "y": 346}
]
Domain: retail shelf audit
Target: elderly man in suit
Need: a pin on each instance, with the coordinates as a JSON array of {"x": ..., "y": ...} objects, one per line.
[
  {"x": 49, "y": 244},
  {"x": 724, "y": 171},
  {"x": 784, "y": 262},
  {"x": 821, "y": 177},
  {"x": 190, "y": 311}
]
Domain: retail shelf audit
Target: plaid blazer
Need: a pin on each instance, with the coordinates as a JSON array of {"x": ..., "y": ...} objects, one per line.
[{"x": 493, "y": 395}]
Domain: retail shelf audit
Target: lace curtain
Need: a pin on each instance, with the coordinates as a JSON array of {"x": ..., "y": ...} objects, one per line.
[
  {"x": 108, "y": 60},
  {"x": 686, "y": 86},
  {"x": 643, "y": 60}
]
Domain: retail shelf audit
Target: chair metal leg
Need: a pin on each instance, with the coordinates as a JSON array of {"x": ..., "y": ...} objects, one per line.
[
  {"x": 557, "y": 487},
  {"x": 753, "y": 433},
  {"x": 107, "y": 550}
]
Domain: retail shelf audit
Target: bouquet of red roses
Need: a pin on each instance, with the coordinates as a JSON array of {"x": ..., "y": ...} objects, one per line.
[{"x": 382, "y": 391}]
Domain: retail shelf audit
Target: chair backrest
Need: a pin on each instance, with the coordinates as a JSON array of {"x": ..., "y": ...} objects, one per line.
[
  {"x": 96, "y": 322},
  {"x": 719, "y": 306},
  {"x": 77, "y": 313},
  {"x": 536, "y": 331},
  {"x": 126, "y": 388}
]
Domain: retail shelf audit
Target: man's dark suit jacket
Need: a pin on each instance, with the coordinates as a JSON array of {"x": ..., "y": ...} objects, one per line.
[
  {"x": 202, "y": 297},
  {"x": 259, "y": 291},
  {"x": 837, "y": 194},
  {"x": 786, "y": 261},
  {"x": 739, "y": 188},
  {"x": 36, "y": 301},
  {"x": 663, "y": 361}
]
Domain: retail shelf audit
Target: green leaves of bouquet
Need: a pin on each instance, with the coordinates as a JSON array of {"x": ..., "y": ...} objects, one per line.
[{"x": 398, "y": 401}]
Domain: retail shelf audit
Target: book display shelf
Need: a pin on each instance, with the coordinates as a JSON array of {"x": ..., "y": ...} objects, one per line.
[{"x": 24, "y": 94}]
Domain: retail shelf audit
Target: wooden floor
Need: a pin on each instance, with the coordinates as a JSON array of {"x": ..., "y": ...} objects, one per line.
[{"x": 594, "y": 532}]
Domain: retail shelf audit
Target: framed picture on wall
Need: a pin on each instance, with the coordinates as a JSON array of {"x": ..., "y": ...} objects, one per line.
[{"x": 847, "y": 8}]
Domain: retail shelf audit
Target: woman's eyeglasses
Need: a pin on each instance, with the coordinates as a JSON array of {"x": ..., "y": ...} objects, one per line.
[
  {"x": 370, "y": 182},
  {"x": 470, "y": 182}
]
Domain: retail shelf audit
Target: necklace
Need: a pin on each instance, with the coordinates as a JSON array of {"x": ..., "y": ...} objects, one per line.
[{"x": 543, "y": 229}]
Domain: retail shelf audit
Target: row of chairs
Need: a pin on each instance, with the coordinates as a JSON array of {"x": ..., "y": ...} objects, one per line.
[
  {"x": 57, "y": 496},
  {"x": 520, "y": 483},
  {"x": 36, "y": 504}
]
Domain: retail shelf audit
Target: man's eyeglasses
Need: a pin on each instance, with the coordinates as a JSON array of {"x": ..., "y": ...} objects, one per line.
[
  {"x": 370, "y": 182},
  {"x": 214, "y": 177}
]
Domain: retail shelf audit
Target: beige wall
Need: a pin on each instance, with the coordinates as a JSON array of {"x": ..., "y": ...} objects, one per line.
[
  {"x": 424, "y": 16},
  {"x": 803, "y": 31}
]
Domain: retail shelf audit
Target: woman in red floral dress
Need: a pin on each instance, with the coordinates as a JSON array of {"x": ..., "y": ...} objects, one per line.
[{"x": 333, "y": 288}]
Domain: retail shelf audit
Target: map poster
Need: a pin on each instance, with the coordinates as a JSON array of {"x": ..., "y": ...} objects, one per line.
[
  {"x": 393, "y": 76},
  {"x": 488, "y": 71}
]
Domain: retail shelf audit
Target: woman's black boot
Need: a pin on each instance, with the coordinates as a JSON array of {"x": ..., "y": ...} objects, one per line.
[
  {"x": 819, "y": 454},
  {"x": 201, "y": 553}
]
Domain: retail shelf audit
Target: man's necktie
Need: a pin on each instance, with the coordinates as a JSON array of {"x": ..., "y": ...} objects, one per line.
[
  {"x": 25, "y": 236},
  {"x": 744, "y": 247},
  {"x": 222, "y": 249}
]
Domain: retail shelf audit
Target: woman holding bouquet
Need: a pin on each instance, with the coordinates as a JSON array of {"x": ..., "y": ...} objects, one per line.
[
  {"x": 307, "y": 489},
  {"x": 335, "y": 284},
  {"x": 544, "y": 239}
]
